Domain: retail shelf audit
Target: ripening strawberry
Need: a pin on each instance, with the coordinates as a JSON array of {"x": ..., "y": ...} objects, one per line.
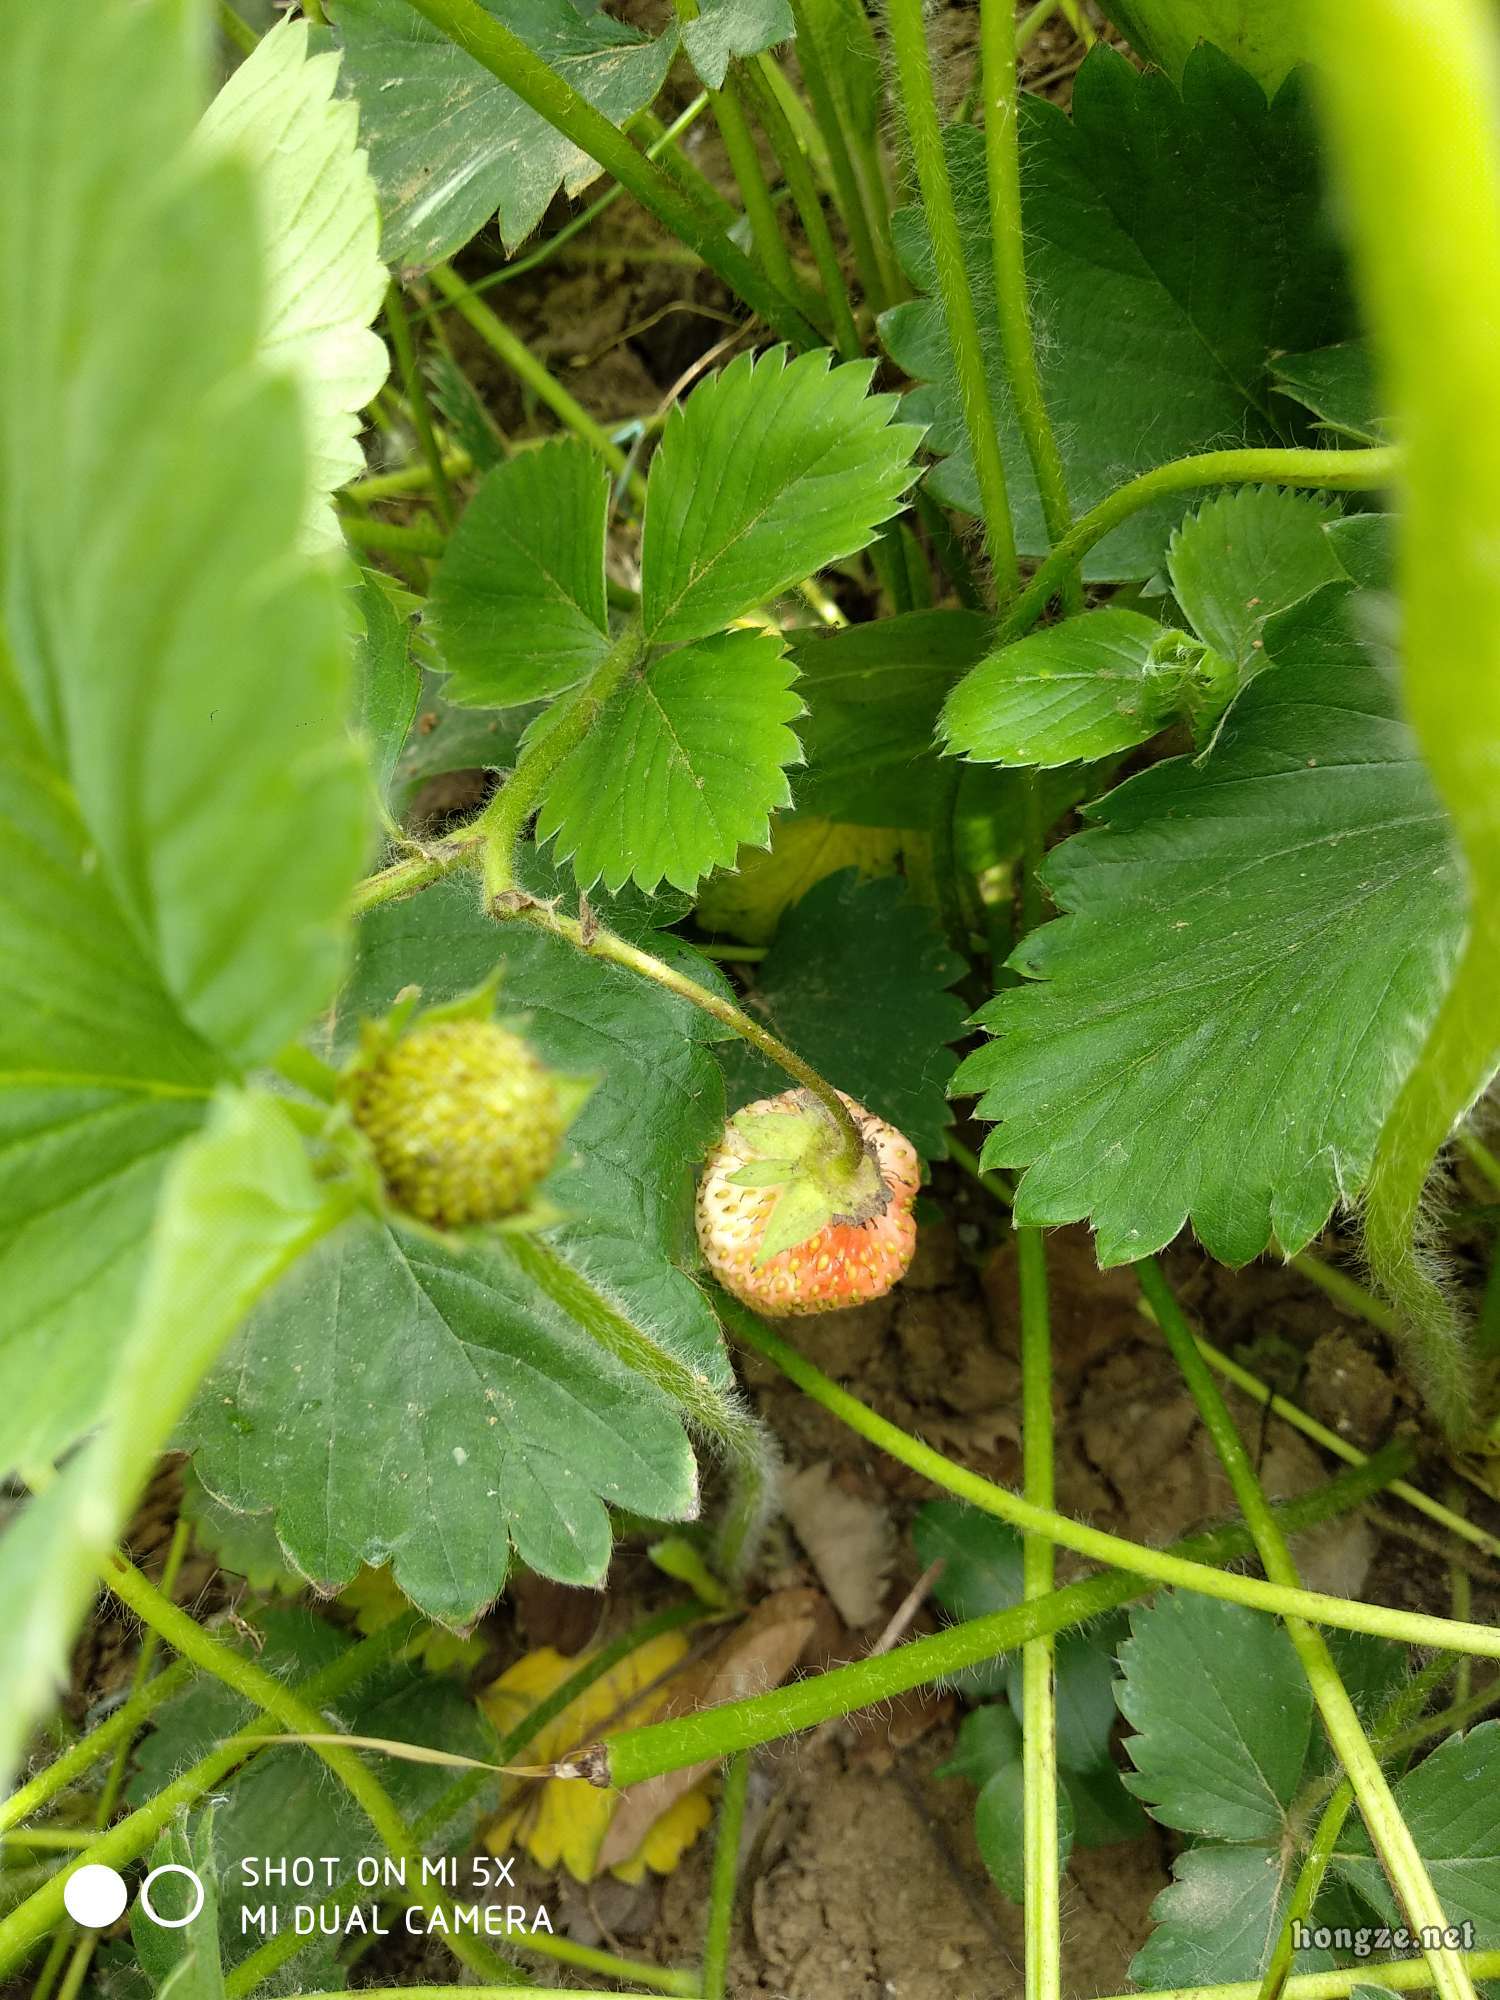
[
  {"x": 463, "y": 1119},
  {"x": 790, "y": 1225}
]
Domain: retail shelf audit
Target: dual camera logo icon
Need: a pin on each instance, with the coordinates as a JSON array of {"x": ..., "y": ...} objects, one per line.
[{"x": 95, "y": 1896}]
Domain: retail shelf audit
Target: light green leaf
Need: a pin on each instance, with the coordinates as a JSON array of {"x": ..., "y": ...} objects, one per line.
[
  {"x": 321, "y": 234},
  {"x": 685, "y": 764},
  {"x": 768, "y": 471},
  {"x": 1242, "y": 558},
  {"x": 182, "y": 811},
  {"x": 1159, "y": 296},
  {"x": 1222, "y": 1714},
  {"x": 856, "y": 981},
  {"x": 450, "y": 146},
  {"x": 1251, "y": 949},
  {"x": 239, "y": 1207},
  {"x": 181, "y": 1957},
  {"x": 1338, "y": 385},
  {"x": 517, "y": 605},
  {"x": 1267, "y": 37},
  {"x": 1451, "y": 1802},
  {"x": 728, "y": 28},
  {"x": 1087, "y": 688}
]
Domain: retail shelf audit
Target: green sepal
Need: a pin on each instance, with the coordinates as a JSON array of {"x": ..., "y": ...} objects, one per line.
[{"x": 803, "y": 1153}]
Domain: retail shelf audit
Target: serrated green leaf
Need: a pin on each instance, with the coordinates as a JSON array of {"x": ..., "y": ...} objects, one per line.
[
  {"x": 724, "y": 29},
  {"x": 182, "y": 812},
  {"x": 1267, "y": 37},
  {"x": 181, "y": 1956},
  {"x": 321, "y": 233},
  {"x": 873, "y": 692},
  {"x": 482, "y": 1414},
  {"x": 1159, "y": 296},
  {"x": 481, "y": 1420},
  {"x": 1451, "y": 1803},
  {"x": 767, "y": 472},
  {"x": 1338, "y": 385},
  {"x": 386, "y": 676},
  {"x": 1252, "y": 948},
  {"x": 686, "y": 763},
  {"x": 450, "y": 146},
  {"x": 856, "y": 982},
  {"x": 1218, "y": 1918},
  {"x": 517, "y": 606},
  {"x": 1222, "y": 1714},
  {"x": 1242, "y": 558},
  {"x": 1086, "y": 688},
  {"x": 238, "y": 1207}
]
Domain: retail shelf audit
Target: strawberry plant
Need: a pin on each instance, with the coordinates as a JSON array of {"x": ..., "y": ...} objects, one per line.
[{"x": 539, "y": 915}]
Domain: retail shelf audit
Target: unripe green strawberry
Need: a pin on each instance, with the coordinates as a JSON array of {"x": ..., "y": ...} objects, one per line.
[
  {"x": 463, "y": 1119},
  {"x": 788, "y": 1226}
]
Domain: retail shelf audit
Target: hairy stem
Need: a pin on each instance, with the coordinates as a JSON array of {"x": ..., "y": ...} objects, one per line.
[
  {"x": 1012, "y": 300},
  {"x": 908, "y": 35},
  {"x": 497, "y": 49},
  {"x": 399, "y": 328},
  {"x": 1392, "y": 1837},
  {"x": 1344, "y": 1614},
  {"x": 1043, "y": 1905},
  {"x": 812, "y": 59},
  {"x": 81, "y": 1756},
  {"x": 719, "y": 1929},
  {"x": 1339, "y": 471}
]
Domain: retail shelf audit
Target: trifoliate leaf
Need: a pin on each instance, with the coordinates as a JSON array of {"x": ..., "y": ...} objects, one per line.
[
  {"x": 1267, "y": 37},
  {"x": 1266, "y": 931},
  {"x": 747, "y": 902},
  {"x": 517, "y": 606},
  {"x": 1338, "y": 385},
  {"x": 1160, "y": 295},
  {"x": 560, "y": 1822},
  {"x": 321, "y": 234},
  {"x": 684, "y": 764},
  {"x": 1087, "y": 688},
  {"x": 767, "y": 472},
  {"x": 1242, "y": 558},
  {"x": 1222, "y": 1713},
  {"x": 450, "y": 145},
  {"x": 1451, "y": 1803},
  {"x": 727, "y": 28},
  {"x": 856, "y": 983}
]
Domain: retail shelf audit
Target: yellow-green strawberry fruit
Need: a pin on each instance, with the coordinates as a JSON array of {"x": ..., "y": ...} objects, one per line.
[{"x": 464, "y": 1121}]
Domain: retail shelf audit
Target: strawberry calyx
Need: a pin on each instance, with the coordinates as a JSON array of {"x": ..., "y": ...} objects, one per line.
[{"x": 804, "y": 1155}]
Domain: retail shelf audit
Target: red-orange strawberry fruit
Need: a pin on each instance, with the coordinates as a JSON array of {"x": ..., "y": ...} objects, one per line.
[{"x": 792, "y": 1220}]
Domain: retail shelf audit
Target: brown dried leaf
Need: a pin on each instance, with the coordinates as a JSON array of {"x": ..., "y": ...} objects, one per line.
[{"x": 848, "y": 1539}]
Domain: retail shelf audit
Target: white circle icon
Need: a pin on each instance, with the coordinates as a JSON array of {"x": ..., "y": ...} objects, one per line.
[
  {"x": 171, "y": 1923},
  {"x": 94, "y": 1896}
]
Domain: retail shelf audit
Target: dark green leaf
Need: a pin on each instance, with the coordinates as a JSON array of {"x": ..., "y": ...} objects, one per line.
[
  {"x": 1252, "y": 949},
  {"x": 769, "y": 471},
  {"x": 1267, "y": 37},
  {"x": 1160, "y": 293},
  {"x": 388, "y": 679},
  {"x": 1218, "y": 1919},
  {"x": 856, "y": 982},
  {"x": 517, "y": 602},
  {"x": 727, "y": 28},
  {"x": 1242, "y": 558},
  {"x": 685, "y": 764},
  {"x": 1222, "y": 1713},
  {"x": 1451, "y": 1802},
  {"x": 1338, "y": 385},
  {"x": 997, "y": 1822},
  {"x": 450, "y": 146},
  {"x": 981, "y": 1560},
  {"x": 444, "y": 738},
  {"x": 989, "y": 1739}
]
